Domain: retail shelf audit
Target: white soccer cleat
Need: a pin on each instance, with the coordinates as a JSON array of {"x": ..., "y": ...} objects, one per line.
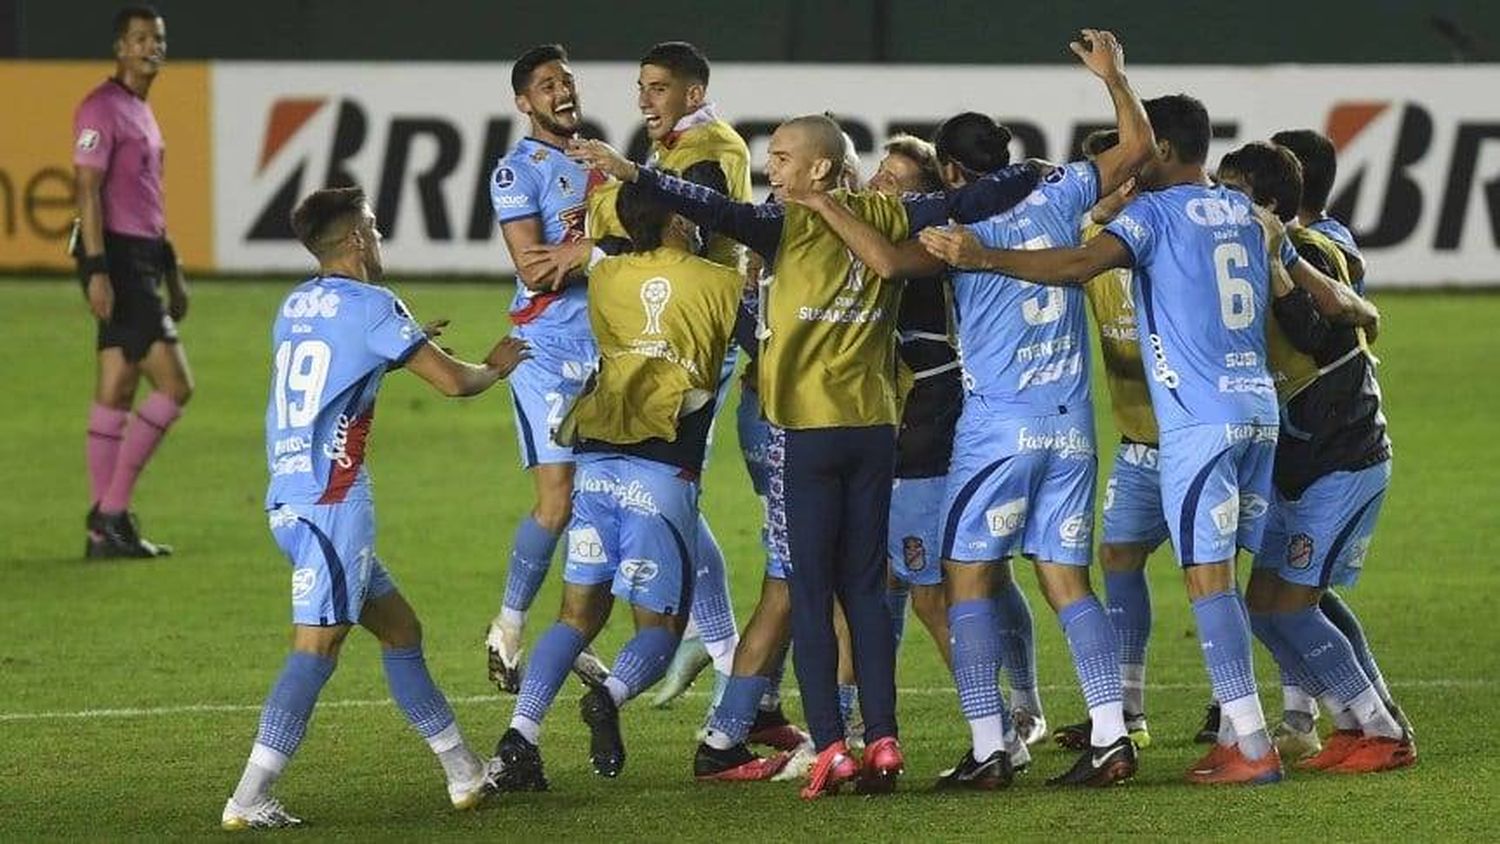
[
  {"x": 688, "y": 662},
  {"x": 1031, "y": 727},
  {"x": 270, "y": 814},
  {"x": 504, "y": 645},
  {"x": 590, "y": 668},
  {"x": 799, "y": 765},
  {"x": 1295, "y": 745},
  {"x": 469, "y": 794}
]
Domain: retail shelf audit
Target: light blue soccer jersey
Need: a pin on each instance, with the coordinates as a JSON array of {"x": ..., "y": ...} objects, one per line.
[
  {"x": 333, "y": 341},
  {"x": 1202, "y": 293},
  {"x": 536, "y": 179},
  {"x": 1344, "y": 239},
  {"x": 1025, "y": 346}
]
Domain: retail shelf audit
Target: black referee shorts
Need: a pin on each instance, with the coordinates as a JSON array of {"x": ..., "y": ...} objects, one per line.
[{"x": 138, "y": 267}]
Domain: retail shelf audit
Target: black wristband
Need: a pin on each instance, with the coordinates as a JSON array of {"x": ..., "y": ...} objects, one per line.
[{"x": 90, "y": 264}]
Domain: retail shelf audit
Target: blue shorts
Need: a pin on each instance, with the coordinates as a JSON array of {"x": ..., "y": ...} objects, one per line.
[
  {"x": 912, "y": 540},
  {"x": 1132, "y": 498},
  {"x": 635, "y": 523},
  {"x": 542, "y": 388},
  {"x": 334, "y": 568},
  {"x": 1320, "y": 540},
  {"x": 1020, "y": 485},
  {"x": 1216, "y": 488}
]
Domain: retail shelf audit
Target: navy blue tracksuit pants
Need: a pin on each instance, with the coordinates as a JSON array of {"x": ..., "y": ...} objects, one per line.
[{"x": 833, "y": 505}]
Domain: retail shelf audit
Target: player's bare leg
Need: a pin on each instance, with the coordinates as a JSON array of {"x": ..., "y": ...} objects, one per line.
[
  {"x": 723, "y": 754},
  {"x": 854, "y": 727},
  {"x": 530, "y": 560},
  {"x": 165, "y": 366},
  {"x": 930, "y": 603}
]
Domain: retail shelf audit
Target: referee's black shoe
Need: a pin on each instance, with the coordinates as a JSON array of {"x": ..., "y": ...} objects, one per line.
[{"x": 118, "y": 536}]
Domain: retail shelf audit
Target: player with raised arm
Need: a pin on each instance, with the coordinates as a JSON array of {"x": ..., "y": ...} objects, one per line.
[
  {"x": 1022, "y": 478},
  {"x": 124, "y": 258},
  {"x": 1213, "y": 397},
  {"x": 826, "y": 384},
  {"x": 663, "y": 318},
  {"x": 1333, "y": 466},
  {"x": 538, "y": 194},
  {"x": 335, "y": 337}
]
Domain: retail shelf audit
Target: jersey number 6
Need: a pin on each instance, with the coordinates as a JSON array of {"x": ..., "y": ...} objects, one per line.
[{"x": 1236, "y": 295}]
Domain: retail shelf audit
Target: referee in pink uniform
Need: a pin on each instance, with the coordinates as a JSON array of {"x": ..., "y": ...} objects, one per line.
[{"x": 124, "y": 260}]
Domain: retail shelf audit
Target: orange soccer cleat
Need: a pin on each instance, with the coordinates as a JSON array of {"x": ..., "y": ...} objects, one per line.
[
  {"x": 1374, "y": 754},
  {"x": 1338, "y": 746},
  {"x": 1226, "y": 765},
  {"x": 833, "y": 768}
]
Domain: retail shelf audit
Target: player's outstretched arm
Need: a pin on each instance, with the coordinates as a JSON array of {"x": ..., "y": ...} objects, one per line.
[
  {"x": 888, "y": 260},
  {"x": 959, "y": 247},
  {"x": 454, "y": 377},
  {"x": 1102, "y": 54},
  {"x": 756, "y": 226},
  {"x": 980, "y": 199}
]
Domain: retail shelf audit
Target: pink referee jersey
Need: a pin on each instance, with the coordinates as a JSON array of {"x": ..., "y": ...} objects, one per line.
[{"x": 115, "y": 131}]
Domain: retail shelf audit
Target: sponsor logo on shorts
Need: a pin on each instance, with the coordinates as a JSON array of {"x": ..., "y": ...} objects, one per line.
[
  {"x": 315, "y": 302},
  {"x": 575, "y": 370},
  {"x": 639, "y": 571},
  {"x": 1226, "y": 514},
  {"x": 585, "y": 546},
  {"x": 1006, "y": 518},
  {"x": 633, "y": 496},
  {"x": 88, "y": 139},
  {"x": 914, "y": 552},
  {"x": 303, "y": 581},
  {"x": 1299, "y": 551},
  {"x": 1354, "y": 555},
  {"x": 1253, "y": 507},
  {"x": 1076, "y": 530},
  {"x": 1109, "y": 495},
  {"x": 1073, "y": 442}
]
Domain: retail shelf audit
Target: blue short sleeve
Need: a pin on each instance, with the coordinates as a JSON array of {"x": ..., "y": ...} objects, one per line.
[
  {"x": 1074, "y": 187},
  {"x": 1134, "y": 228},
  {"x": 513, "y": 193},
  {"x": 391, "y": 333},
  {"x": 1289, "y": 256}
]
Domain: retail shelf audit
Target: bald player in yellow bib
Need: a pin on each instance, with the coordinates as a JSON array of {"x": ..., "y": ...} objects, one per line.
[{"x": 826, "y": 379}]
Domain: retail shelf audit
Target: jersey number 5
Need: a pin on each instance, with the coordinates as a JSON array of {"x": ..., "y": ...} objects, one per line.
[
  {"x": 1236, "y": 295},
  {"x": 1049, "y": 304},
  {"x": 301, "y": 369}
]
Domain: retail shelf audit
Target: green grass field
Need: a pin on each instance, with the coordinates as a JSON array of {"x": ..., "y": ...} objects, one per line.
[{"x": 129, "y": 691}]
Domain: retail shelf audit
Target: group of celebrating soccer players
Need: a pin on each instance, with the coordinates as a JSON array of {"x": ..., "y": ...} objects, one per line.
[{"x": 914, "y": 412}]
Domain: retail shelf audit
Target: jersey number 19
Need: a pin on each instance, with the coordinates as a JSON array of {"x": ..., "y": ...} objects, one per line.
[{"x": 300, "y": 369}]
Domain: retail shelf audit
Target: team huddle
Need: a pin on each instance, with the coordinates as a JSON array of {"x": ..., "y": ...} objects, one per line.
[{"x": 914, "y": 413}]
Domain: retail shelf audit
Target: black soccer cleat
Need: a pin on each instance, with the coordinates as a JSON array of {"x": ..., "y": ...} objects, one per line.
[
  {"x": 606, "y": 745},
  {"x": 1209, "y": 732},
  {"x": 993, "y": 773},
  {"x": 735, "y": 764},
  {"x": 1098, "y": 767},
  {"x": 118, "y": 536},
  {"x": 1074, "y": 736},
  {"x": 520, "y": 764}
]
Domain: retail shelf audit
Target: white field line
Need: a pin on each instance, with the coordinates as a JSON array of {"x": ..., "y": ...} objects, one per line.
[{"x": 323, "y": 705}]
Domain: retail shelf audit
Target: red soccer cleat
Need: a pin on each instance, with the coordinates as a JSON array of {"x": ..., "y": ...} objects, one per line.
[
  {"x": 1374, "y": 754},
  {"x": 737, "y": 764},
  {"x": 1232, "y": 768},
  {"x": 771, "y": 728},
  {"x": 833, "y": 768},
  {"x": 883, "y": 764},
  {"x": 1339, "y": 745}
]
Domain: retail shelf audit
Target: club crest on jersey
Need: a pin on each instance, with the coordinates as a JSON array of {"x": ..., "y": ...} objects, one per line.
[
  {"x": 655, "y": 292},
  {"x": 538, "y": 155},
  {"x": 1299, "y": 551},
  {"x": 914, "y": 552}
]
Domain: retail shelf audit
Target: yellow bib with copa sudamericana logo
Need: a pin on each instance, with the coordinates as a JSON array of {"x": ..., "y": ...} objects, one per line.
[
  {"x": 1113, "y": 307},
  {"x": 1290, "y": 369},
  {"x": 662, "y": 321},
  {"x": 828, "y": 324}
]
